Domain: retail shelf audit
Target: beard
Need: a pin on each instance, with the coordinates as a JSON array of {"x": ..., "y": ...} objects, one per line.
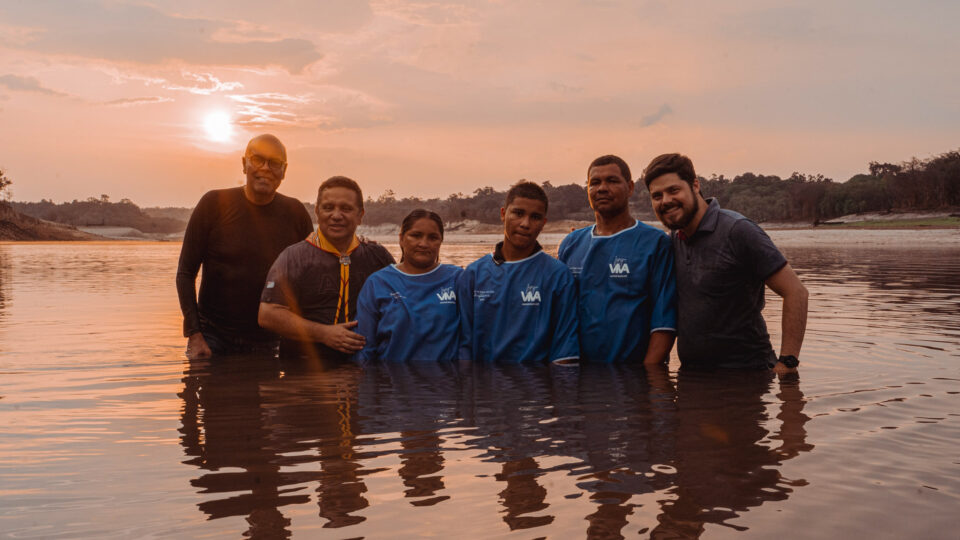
[{"x": 685, "y": 217}]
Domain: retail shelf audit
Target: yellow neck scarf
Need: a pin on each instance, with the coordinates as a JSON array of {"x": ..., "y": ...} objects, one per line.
[{"x": 343, "y": 301}]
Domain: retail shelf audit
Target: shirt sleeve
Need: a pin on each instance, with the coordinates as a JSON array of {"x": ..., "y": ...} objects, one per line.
[
  {"x": 756, "y": 250},
  {"x": 564, "y": 247},
  {"x": 387, "y": 258},
  {"x": 565, "y": 343},
  {"x": 278, "y": 288},
  {"x": 465, "y": 284},
  {"x": 192, "y": 254},
  {"x": 368, "y": 319},
  {"x": 663, "y": 286}
]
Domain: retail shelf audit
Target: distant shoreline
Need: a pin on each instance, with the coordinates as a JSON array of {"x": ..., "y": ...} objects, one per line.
[{"x": 18, "y": 227}]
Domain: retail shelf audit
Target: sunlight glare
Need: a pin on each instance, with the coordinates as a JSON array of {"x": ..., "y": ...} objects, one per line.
[{"x": 218, "y": 126}]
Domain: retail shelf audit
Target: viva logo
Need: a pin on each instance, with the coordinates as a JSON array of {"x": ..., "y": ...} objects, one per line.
[
  {"x": 619, "y": 267},
  {"x": 447, "y": 295},
  {"x": 531, "y": 295}
]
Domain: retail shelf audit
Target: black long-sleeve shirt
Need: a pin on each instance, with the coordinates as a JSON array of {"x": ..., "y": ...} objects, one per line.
[{"x": 235, "y": 241}]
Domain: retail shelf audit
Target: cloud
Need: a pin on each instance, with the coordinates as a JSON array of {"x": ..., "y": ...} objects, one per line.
[
  {"x": 268, "y": 109},
  {"x": 27, "y": 84},
  {"x": 430, "y": 13},
  {"x": 144, "y": 34},
  {"x": 327, "y": 108},
  {"x": 293, "y": 16},
  {"x": 131, "y": 102},
  {"x": 208, "y": 84},
  {"x": 656, "y": 117}
]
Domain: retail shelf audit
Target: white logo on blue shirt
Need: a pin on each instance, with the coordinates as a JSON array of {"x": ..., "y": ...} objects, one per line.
[
  {"x": 531, "y": 296},
  {"x": 397, "y": 297},
  {"x": 447, "y": 295},
  {"x": 480, "y": 295},
  {"x": 619, "y": 268}
]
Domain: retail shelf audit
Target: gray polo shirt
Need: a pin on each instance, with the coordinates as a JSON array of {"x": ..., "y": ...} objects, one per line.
[{"x": 721, "y": 271}]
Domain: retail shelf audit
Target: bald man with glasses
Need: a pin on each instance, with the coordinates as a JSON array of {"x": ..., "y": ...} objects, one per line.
[{"x": 235, "y": 235}]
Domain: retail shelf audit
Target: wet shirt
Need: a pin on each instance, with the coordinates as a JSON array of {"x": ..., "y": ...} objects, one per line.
[
  {"x": 409, "y": 316},
  {"x": 518, "y": 311},
  {"x": 307, "y": 280},
  {"x": 235, "y": 241},
  {"x": 721, "y": 271},
  {"x": 626, "y": 290}
]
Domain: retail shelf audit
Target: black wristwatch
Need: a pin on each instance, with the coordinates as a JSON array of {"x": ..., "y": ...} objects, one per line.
[{"x": 788, "y": 360}]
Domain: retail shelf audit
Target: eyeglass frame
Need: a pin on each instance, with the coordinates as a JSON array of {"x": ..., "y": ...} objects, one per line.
[{"x": 268, "y": 162}]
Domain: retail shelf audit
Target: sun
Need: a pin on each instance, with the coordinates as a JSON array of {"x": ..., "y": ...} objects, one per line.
[{"x": 218, "y": 126}]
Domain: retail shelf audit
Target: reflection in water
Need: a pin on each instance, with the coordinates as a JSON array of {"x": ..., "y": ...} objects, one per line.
[
  {"x": 698, "y": 445},
  {"x": 313, "y": 418},
  {"x": 723, "y": 457},
  {"x": 91, "y": 360},
  {"x": 4, "y": 279},
  {"x": 224, "y": 428}
]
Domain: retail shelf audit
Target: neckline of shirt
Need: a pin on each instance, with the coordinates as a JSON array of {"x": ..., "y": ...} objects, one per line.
[
  {"x": 435, "y": 268},
  {"x": 525, "y": 259},
  {"x": 593, "y": 230}
]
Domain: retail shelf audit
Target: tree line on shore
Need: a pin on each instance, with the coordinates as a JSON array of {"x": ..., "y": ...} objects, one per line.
[{"x": 927, "y": 184}]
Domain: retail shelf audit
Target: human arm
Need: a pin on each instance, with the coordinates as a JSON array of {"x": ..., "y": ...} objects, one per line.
[
  {"x": 192, "y": 254},
  {"x": 662, "y": 285},
  {"x": 565, "y": 319},
  {"x": 368, "y": 318},
  {"x": 197, "y": 347},
  {"x": 278, "y": 312},
  {"x": 281, "y": 320},
  {"x": 787, "y": 285},
  {"x": 465, "y": 308},
  {"x": 659, "y": 346}
]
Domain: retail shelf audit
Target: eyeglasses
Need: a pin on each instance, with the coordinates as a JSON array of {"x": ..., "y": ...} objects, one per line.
[{"x": 256, "y": 161}]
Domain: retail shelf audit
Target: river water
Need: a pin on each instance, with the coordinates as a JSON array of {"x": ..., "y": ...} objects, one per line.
[{"x": 107, "y": 431}]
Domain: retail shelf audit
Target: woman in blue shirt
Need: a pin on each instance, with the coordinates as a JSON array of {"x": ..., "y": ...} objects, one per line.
[{"x": 408, "y": 311}]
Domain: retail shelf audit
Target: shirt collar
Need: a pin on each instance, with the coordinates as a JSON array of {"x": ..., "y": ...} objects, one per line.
[
  {"x": 708, "y": 223},
  {"x": 498, "y": 257}
]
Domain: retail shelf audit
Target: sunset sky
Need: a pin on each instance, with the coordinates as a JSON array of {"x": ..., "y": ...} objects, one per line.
[{"x": 154, "y": 101}]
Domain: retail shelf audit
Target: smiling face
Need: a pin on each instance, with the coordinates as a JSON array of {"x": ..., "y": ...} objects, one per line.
[
  {"x": 264, "y": 163},
  {"x": 675, "y": 201},
  {"x": 523, "y": 219},
  {"x": 608, "y": 191},
  {"x": 420, "y": 244},
  {"x": 338, "y": 214}
]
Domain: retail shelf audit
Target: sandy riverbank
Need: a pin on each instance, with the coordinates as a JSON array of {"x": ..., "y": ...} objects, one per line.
[{"x": 17, "y": 226}]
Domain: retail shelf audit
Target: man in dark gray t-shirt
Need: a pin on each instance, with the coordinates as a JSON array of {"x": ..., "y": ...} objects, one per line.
[{"x": 723, "y": 261}]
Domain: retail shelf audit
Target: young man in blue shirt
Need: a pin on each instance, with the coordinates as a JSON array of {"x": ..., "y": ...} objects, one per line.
[
  {"x": 518, "y": 304},
  {"x": 624, "y": 270}
]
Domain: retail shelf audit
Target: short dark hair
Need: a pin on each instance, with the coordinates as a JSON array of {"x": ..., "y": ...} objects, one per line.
[
  {"x": 341, "y": 182},
  {"x": 418, "y": 214},
  {"x": 611, "y": 159},
  {"x": 527, "y": 190},
  {"x": 678, "y": 164}
]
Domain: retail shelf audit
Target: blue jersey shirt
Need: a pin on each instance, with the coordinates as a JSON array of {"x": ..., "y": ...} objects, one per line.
[
  {"x": 518, "y": 311},
  {"x": 626, "y": 289},
  {"x": 409, "y": 316}
]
